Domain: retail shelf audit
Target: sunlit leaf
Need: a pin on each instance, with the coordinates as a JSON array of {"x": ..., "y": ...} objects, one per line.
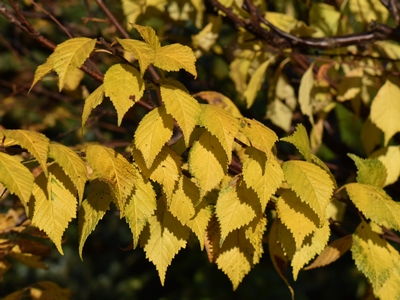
[
  {"x": 175, "y": 57},
  {"x": 255, "y": 83},
  {"x": 370, "y": 171},
  {"x": 142, "y": 51},
  {"x": 148, "y": 34},
  {"x": 220, "y": 100},
  {"x": 306, "y": 85},
  {"x": 42, "y": 70},
  {"x": 92, "y": 102},
  {"x": 259, "y": 135},
  {"x": 300, "y": 140},
  {"x": 390, "y": 157}
]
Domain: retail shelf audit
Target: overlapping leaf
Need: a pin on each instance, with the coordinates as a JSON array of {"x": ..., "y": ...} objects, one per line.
[
  {"x": 16, "y": 177},
  {"x": 54, "y": 203},
  {"x": 260, "y": 136},
  {"x": 183, "y": 107},
  {"x": 111, "y": 167},
  {"x": 375, "y": 204},
  {"x": 69, "y": 55},
  {"x": 163, "y": 238},
  {"x": 92, "y": 102},
  {"x": 311, "y": 184},
  {"x": 42, "y": 70},
  {"x": 124, "y": 85},
  {"x": 175, "y": 57},
  {"x": 207, "y": 162},
  {"x": 93, "y": 209},
  {"x": 255, "y": 83},
  {"x": 218, "y": 99},
  {"x": 149, "y": 35},
  {"x": 254, "y": 232},
  {"x": 36, "y": 143},
  {"x": 370, "y": 171},
  {"x": 300, "y": 140},
  {"x": 143, "y": 52},
  {"x": 72, "y": 165},
  {"x": 154, "y": 130}
]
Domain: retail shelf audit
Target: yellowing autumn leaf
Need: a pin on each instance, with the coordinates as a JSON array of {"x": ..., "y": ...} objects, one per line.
[
  {"x": 375, "y": 204},
  {"x": 254, "y": 232},
  {"x": 42, "y": 70},
  {"x": 54, "y": 203},
  {"x": 149, "y": 35},
  {"x": 92, "y": 102},
  {"x": 332, "y": 252},
  {"x": 311, "y": 184},
  {"x": 218, "y": 99},
  {"x": 259, "y": 135},
  {"x": 111, "y": 167},
  {"x": 183, "y": 107},
  {"x": 263, "y": 175},
  {"x": 300, "y": 140},
  {"x": 370, "y": 171},
  {"x": 16, "y": 177},
  {"x": 139, "y": 207},
  {"x": 221, "y": 124},
  {"x": 142, "y": 51},
  {"x": 390, "y": 157},
  {"x": 175, "y": 57},
  {"x": 207, "y": 162},
  {"x": 36, "y": 143},
  {"x": 154, "y": 130},
  {"x": 297, "y": 216},
  {"x": 93, "y": 209},
  {"x": 72, "y": 165},
  {"x": 236, "y": 206},
  {"x": 255, "y": 83},
  {"x": 69, "y": 55},
  {"x": 385, "y": 109},
  {"x": 29, "y": 259},
  {"x": 306, "y": 85},
  {"x": 124, "y": 85},
  {"x": 312, "y": 246},
  {"x": 163, "y": 238}
]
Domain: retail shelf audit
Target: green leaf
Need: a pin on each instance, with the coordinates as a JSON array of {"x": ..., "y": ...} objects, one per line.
[
  {"x": 175, "y": 57},
  {"x": 385, "y": 109},
  {"x": 163, "y": 239},
  {"x": 93, "y": 209},
  {"x": 124, "y": 85},
  {"x": 300, "y": 140},
  {"x": 311, "y": 184},
  {"x": 71, "y": 164},
  {"x": 16, "y": 177},
  {"x": 69, "y": 55},
  {"x": 54, "y": 203},
  {"x": 370, "y": 171},
  {"x": 255, "y": 83},
  {"x": 306, "y": 85},
  {"x": 221, "y": 124},
  {"x": 207, "y": 162},
  {"x": 375, "y": 204},
  {"x": 36, "y": 143},
  {"x": 183, "y": 107},
  {"x": 154, "y": 130},
  {"x": 92, "y": 102},
  {"x": 111, "y": 167},
  {"x": 143, "y": 52},
  {"x": 259, "y": 135}
]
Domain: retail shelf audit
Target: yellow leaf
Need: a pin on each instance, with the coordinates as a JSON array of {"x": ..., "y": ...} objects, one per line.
[
  {"x": 375, "y": 204},
  {"x": 92, "y": 102},
  {"x": 236, "y": 206},
  {"x": 324, "y": 19},
  {"x": 29, "y": 259},
  {"x": 183, "y": 107},
  {"x": 49, "y": 290},
  {"x": 366, "y": 10},
  {"x": 317, "y": 161},
  {"x": 149, "y": 35},
  {"x": 207, "y": 162},
  {"x": 163, "y": 239},
  {"x": 54, "y": 203},
  {"x": 175, "y": 57},
  {"x": 280, "y": 114},
  {"x": 140, "y": 206},
  {"x": 350, "y": 86},
  {"x": 69, "y": 55},
  {"x": 311, "y": 184},
  {"x": 278, "y": 257},
  {"x": 259, "y": 135},
  {"x": 238, "y": 72},
  {"x": 16, "y": 177},
  {"x": 332, "y": 252},
  {"x": 111, "y": 167},
  {"x": 72, "y": 165},
  {"x": 42, "y": 71},
  {"x": 390, "y": 157},
  {"x": 36, "y": 143},
  {"x": 312, "y": 246},
  {"x": 385, "y": 109},
  {"x": 208, "y": 36},
  {"x": 143, "y": 52},
  {"x": 154, "y": 130},
  {"x": 306, "y": 85},
  {"x": 166, "y": 168},
  {"x": 255, "y": 83},
  {"x": 370, "y": 171},
  {"x": 93, "y": 209},
  {"x": 220, "y": 100},
  {"x": 297, "y": 216},
  {"x": 186, "y": 208},
  {"x": 254, "y": 232},
  {"x": 262, "y": 174},
  {"x": 375, "y": 258},
  {"x": 221, "y": 124},
  {"x": 124, "y": 85},
  {"x": 73, "y": 80},
  {"x": 300, "y": 140}
]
